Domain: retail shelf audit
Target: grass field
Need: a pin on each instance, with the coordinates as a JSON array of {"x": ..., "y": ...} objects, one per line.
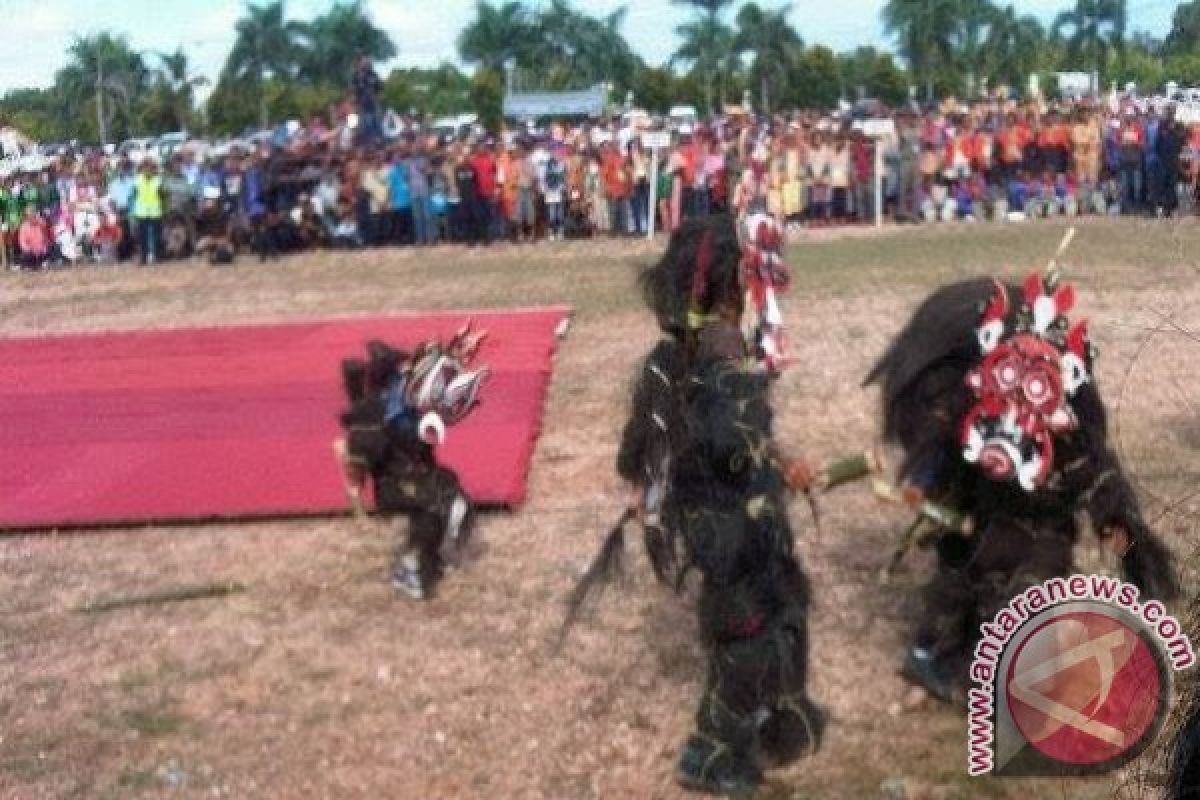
[{"x": 319, "y": 681}]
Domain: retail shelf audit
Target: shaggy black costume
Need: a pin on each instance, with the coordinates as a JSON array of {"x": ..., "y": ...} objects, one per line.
[
  {"x": 387, "y": 447},
  {"x": 1020, "y": 537},
  {"x": 700, "y": 431}
]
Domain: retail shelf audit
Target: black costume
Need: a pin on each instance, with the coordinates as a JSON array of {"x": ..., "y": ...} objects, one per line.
[
  {"x": 399, "y": 402},
  {"x": 699, "y": 438},
  {"x": 1024, "y": 487}
]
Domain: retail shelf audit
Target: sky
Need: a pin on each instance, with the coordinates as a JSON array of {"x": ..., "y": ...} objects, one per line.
[{"x": 35, "y": 33}]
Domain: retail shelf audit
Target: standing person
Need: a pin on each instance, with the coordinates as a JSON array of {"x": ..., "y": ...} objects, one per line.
[
  {"x": 908, "y": 152},
  {"x": 596, "y": 199},
  {"x": 33, "y": 240},
  {"x": 366, "y": 86},
  {"x": 616, "y": 189},
  {"x": 818, "y": 168},
  {"x": 554, "y": 181},
  {"x": 839, "y": 180},
  {"x": 639, "y": 168},
  {"x": 424, "y": 232},
  {"x": 120, "y": 194},
  {"x": 148, "y": 210},
  {"x": 400, "y": 199},
  {"x": 699, "y": 451},
  {"x": 526, "y": 179},
  {"x": 1172, "y": 137},
  {"x": 487, "y": 196},
  {"x": 1129, "y": 139},
  {"x": 506, "y": 189},
  {"x": 1085, "y": 149},
  {"x": 862, "y": 157},
  {"x": 8, "y": 225},
  {"x": 471, "y": 219}
]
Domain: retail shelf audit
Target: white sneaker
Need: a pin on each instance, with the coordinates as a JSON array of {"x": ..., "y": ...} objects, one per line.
[{"x": 407, "y": 578}]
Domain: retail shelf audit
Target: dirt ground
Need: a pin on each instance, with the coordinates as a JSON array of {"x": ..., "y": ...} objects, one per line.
[{"x": 319, "y": 681}]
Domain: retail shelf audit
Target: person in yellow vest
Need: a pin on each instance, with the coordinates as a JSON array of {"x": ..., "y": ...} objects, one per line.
[{"x": 148, "y": 209}]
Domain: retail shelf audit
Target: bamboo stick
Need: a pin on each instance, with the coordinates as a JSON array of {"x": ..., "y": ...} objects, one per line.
[{"x": 219, "y": 589}]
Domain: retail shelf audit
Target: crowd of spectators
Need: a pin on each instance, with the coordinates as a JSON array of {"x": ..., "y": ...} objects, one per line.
[{"x": 344, "y": 183}]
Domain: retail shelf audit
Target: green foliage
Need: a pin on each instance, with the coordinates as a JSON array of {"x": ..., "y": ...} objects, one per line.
[
  {"x": 487, "y": 97},
  {"x": 234, "y": 105},
  {"x": 333, "y": 42},
  {"x": 1142, "y": 69},
  {"x": 875, "y": 73},
  {"x": 1184, "y": 38},
  {"x": 37, "y": 113},
  {"x": 1184, "y": 69},
  {"x": 815, "y": 79},
  {"x": 436, "y": 92},
  {"x": 775, "y": 45}
]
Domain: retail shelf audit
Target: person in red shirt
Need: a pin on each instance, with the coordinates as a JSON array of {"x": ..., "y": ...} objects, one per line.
[
  {"x": 33, "y": 240},
  {"x": 615, "y": 177},
  {"x": 483, "y": 162},
  {"x": 862, "y": 157}
]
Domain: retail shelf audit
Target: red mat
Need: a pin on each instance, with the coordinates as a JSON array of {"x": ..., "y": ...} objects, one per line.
[{"x": 233, "y": 422}]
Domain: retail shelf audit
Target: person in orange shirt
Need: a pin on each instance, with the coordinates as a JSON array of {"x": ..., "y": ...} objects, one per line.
[
  {"x": 507, "y": 164},
  {"x": 615, "y": 177}
]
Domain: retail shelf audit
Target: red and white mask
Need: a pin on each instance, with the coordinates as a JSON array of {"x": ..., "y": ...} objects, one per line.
[{"x": 1032, "y": 364}]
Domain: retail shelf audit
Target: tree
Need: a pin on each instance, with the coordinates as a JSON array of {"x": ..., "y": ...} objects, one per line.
[
  {"x": 815, "y": 79},
  {"x": 265, "y": 46},
  {"x": 170, "y": 104},
  {"x": 1184, "y": 37},
  {"x": 1184, "y": 69},
  {"x": 334, "y": 41},
  {"x": 705, "y": 43},
  {"x": 774, "y": 44},
  {"x": 875, "y": 73},
  {"x": 927, "y": 32},
  {"x": 976, "y": 18},
  {"x": 1096, "y": 33},
  {"x": 37, "y": 113},
  {"x": 106, "y": 75},
  {"x": 1015, "y": 48},
  {"x": 437, "y": 92},
  {"x": 572, "y": 49},
  {"x": 497, "y": 35},
  {"x": 487, "y": 97}
]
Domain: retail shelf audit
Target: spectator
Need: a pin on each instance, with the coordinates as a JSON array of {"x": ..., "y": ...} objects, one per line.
[
  {"x": 33, "y": 240},
  {"x": 553, "y": 188},
  {"x": 366, "y": 86},
  {"x": 400, "y": 197},
  {"x": 424, "y": 231},
  {"x": 148, "y": 211}
]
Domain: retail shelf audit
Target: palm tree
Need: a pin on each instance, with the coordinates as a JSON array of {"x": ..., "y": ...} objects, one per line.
[
  {"x": 334, "y": 41},
  {"x": 773, "y": 42},
  {"x": 711, "y": 8},
  {"x": 496, "y": 36},
  {"x": 265, "y": 45},
  {"x": 927, "y": 31},
  {"x": 1015, "y": 46},
  {"x": 1185, "y": 29},
  {"x": 1096, "y": 30},
  {"x": 976, "y": 18},
  {"x": 172, "y": 100},
  {"x": 707, "y": 44},
  {"x": 105, "y": 72},
  {"x": 574, "y": 48}
]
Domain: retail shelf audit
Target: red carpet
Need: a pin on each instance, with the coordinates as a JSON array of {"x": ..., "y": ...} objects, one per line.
[{"x": 233, "y": 422}]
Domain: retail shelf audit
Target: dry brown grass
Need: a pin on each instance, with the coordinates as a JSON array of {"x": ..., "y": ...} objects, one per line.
[{"x": 320, "y": 682}]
